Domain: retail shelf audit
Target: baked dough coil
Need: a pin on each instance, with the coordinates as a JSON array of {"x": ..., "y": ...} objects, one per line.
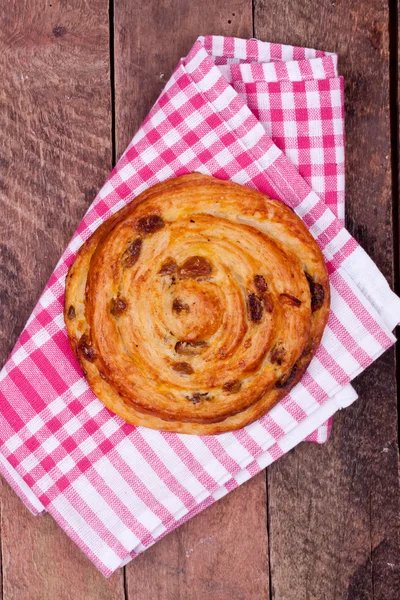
[{"x": 197, "y": 307}]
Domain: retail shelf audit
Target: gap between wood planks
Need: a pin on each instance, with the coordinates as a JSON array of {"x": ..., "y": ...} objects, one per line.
[
  {"x": 112, "y": 85},
  {"x": 395, "y": 158}
]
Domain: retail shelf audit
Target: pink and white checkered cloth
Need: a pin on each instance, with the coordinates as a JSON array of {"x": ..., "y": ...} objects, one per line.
[{"x": 263, "y": 115}]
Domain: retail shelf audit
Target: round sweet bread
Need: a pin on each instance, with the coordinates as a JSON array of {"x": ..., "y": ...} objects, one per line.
[{"x": 197, "y": 307}]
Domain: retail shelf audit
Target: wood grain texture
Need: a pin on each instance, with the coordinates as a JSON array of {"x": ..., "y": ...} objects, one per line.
[
  {"x": 150, "y": 38},
  {"x": 333, "y": 510},
  {"x": 221, "y": 554},
  {"x": 55, "y": 152},
  {"x": 194, "y": 561}
]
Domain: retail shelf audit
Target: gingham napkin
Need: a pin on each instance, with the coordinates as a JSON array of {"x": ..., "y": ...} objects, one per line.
[{"x": 116, "y": 489}]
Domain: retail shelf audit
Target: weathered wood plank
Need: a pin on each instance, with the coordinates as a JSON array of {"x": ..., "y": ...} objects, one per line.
[
  {"x": 196, "y": 560},
  {"x": 150, "y": 38},
  {"x": 55, "y": 151},
  {"x": 333, "y": 510},
  {"x": 220, "y": 554}
]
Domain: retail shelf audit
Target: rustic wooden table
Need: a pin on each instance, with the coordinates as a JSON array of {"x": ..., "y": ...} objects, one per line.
[{"x": 78, "y": 78}]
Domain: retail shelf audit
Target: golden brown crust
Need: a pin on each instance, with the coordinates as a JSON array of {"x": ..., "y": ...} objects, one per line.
[{"x": 197, "y": 307}]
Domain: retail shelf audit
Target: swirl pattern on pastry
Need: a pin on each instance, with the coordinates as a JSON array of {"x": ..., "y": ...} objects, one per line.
[{"x": 197, "y": 306}]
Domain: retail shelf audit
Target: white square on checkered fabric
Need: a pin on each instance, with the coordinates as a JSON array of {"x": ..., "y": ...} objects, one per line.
[
  {"x": 290, "y": 130},
  {"x": 34, "y": 425},
  {"x": 337, "y": 126},
  {"x": 126, "y": 172},
  {"x": 72, "y": 425},
  {"x": 41, "y": 337},
  {"x": 321, "y": 224},
  {"x": 253, "y": 136},
  {"x": 14, "y": 443},
  {"x": 171, "y": 138},
  {"x": 263, "y": 101},
  {"x": 336, "y": 98},
  {"x": 187, "y": 156},
  {"x": 315, "y": 127},
  {"x": 318, "y": 183},
  {"x": 105, "y": 191},
  {"x": 50, "y": 444},
  {"x": 88, "y": 445},
  {"x": 337, "y": 242},
  {"x": 45, "y": 483},
  {"x": 209, "y": 80},
  {"x": 287, "y": 53},
  {"x": 59, "y": 322},
  {"x": 79, "y": 387},
  {"x": 223, "y": 158},
  {"x": 94, "y": 408},
  {"x": 293, "y": 72},
  {"x": 75, "y": 244},
  {"x": 313, "y": 99},
  {"x": 111, "y": 426},
  {"x": 178, "y": 101},
  {"x": 240, "y": 48},
  {"x": 237, "y": 119},
  {"x": 47, "y": 298},
  {"x": 148, "y": 155},
  {"x": 269, "y": 157},
  {"x": 165, "y": 173},
  {"x": 20, "y": 355},
  {"x": 66, "y": 464},
  {"x": 317, "y": 156},
  {"x": 29, "y": 463},
  {"x": 156, "y": 118}
]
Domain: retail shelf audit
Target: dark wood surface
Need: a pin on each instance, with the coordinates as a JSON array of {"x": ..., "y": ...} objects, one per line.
[{"x": 77, "y": 80}]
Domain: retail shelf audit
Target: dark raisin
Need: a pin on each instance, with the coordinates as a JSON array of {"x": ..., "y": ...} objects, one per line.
[
  {"x": 317, "y": 293},
  {"x": 260, "y": 284},
  {"x": 168, "y": 268},
  {"x": 195, "y": 267},
  {"x": 131, "y": 254},
  {"x": 191, "y": 220},
  {"x": 190, "y": 348},
  {"x": 255, "y": 306},
  {"x": 71, "y": 313},
  {"x": 268, "y": 304},
  {"x": 197, "y": 397},
  {"x": 118, "y": 306},
  {"x": 85, "y": 346},
  {"x": 232, "y": 387},
  {"x": 150, "y": 224},
  {"x": 278, "y": 353},
  {"x": 183, "y": 368},
  {"x": 287, "y": 379},
  {"x": 289, "y": 300},
  {"x": 179, "y": 306}
]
